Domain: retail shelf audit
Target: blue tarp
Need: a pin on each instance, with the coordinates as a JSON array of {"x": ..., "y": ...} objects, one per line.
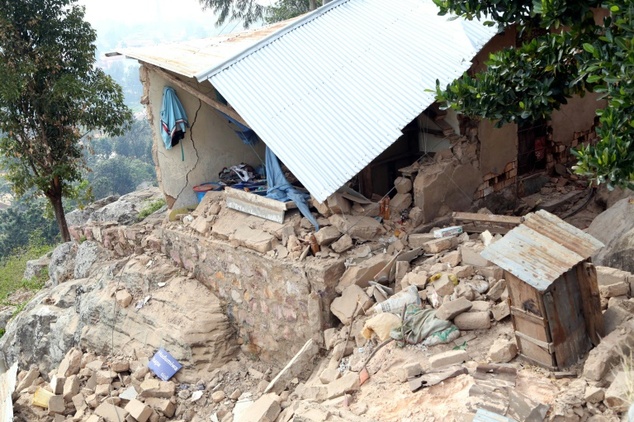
[
  {"x": 173, "y": 118},
  {"x": 279, "y": 188}
]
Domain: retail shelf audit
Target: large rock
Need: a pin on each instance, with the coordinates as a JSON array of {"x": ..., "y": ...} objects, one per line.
[
  {"x": 37, "y": 267},
  {"x": 615, "y": 228},
  {"x": 79, "y": 217},
  {"x": 62, "y": 264},
  {"x": 357, "y": 226},
  {"x": 88, "y": 253},
  {"x": 183, "y": 317},
  {"x": 446, "y": 183},
  {"x": 127, "y": 208}
]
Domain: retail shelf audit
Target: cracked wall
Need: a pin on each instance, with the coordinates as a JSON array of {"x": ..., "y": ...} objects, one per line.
[{"x": 209, "y": 145}]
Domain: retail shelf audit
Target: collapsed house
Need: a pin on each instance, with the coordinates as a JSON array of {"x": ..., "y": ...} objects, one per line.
[{"x": 344, "y": 97}]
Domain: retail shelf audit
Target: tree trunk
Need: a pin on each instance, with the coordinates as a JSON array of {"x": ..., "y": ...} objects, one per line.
[
  {"x": 312, "y": 4},
  {"x": 55, "y": 198}
]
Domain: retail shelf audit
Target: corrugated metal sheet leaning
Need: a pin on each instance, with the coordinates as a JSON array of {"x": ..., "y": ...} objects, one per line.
[{"x": 333, "y": 90}]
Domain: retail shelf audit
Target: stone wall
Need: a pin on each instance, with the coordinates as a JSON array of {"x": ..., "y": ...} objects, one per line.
[{"x": 276, "y": 305}]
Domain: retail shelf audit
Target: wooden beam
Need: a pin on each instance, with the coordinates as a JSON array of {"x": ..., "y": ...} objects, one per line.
[
  {"x": 487, "y": 218},
  {"x": 202, "y": 97},
  {"x": 544, "y": 345}
]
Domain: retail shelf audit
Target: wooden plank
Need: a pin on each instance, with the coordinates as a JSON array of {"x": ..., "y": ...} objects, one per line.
[
  {"x": 566, "y": 320},
  {"x": 591, "y": 301},
  {"x": 487, "y": 218},
  {"x": 202, "y": 97},
  {"x": 544, "y": 345},
  {"x": 255, "y": 209},
  {"x": 521, "y": 313}
]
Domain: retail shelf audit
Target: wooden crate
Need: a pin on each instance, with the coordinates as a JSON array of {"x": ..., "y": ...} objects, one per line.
[{"x": 556, "y": 327}]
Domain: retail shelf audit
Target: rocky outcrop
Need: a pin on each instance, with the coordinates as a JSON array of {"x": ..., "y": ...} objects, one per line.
[
  {"x": 615, "y": 228},
  {"x": 164, "y": 309}
]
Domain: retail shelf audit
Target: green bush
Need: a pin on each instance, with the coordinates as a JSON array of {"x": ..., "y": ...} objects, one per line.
[
  {"x": 151, "y": 208},
  {"x": 12, "y": 271}
]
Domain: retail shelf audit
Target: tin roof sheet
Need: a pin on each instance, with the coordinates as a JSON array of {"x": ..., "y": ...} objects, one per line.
[
  {"x": 189, "y": 58},
  {"x": 541, "y": 249},
  {"x": 333, "y": 90}
]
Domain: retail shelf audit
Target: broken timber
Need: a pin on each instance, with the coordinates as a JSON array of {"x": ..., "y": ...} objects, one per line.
[
  {"x": 429, "y": 379},
  {"x": 257, "y": 205},
  {"x": 477, "y": 223}
]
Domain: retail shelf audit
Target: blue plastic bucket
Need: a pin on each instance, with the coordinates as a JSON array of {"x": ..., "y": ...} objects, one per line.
[{"x": 203, "y": 188}]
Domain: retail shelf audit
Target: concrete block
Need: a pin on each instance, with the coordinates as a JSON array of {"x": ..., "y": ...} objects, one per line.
[
  {"x": 329, "y": 375},
  {"x": 452, "y": 258},
  {"x": 102, "y": 390},
  {"x": 594, "y": 394},
  {"x": 157, "y": 389},
  {"x": 71, "y": 387},
  {"x": 608, "y": 353},
  {"x": 327, "y": 235},
  {"x": 346, "y": 384},
  {"x": 111, "y": 413},
  {"x": 403, "y": 184},
  {"x": 363, "y": 272},
  {"x": 345, "y": 243},
  {"x": 444, "y": 286},
  {"x": 409, "y": 370},
  {"x": 480, "y": 306},
  {"x": 352, "y": 297},
  {"x": 57, "y": 384},
  {"x": 164, "y": 406},
  {"x": 399, "y": 203},
  {"x": 264, "y": 409},
  {"x": 501, "y": 311},
  {"x": 492, "y": 271},
  {"x": 471, "y": 255},
  {"x": 439, "y": 245},
  {"x": 450, "y": 357},
  {"x": 338, "y": 204},
  {"x": 449, "y": 310},
  {"x": 473, "y": 321},
  {"x": 502, "y": 351},
  {"x": 496, "y": 290},
  {"x": 417, "y": 240},
  {"x": 56, "y": 405},
  {"x": 138, "y": 410},
  {"x": 616, "y": 289}
]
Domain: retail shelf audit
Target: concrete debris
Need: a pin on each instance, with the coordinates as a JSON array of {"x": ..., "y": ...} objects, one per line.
[{"x": 502, "y": 351}]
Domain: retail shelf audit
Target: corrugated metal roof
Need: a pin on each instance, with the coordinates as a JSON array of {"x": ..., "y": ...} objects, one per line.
[
  {"x": 189, "y": 58},
  {"x": 333, "y": 90},
  {"x": 541, "y": 249}
]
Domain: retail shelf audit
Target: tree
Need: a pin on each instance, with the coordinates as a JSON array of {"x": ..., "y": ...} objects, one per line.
[
  {"x": 561, "y": 52},
  {"x": 250, "y": 11},
  {"x": 50, "y": 94}
]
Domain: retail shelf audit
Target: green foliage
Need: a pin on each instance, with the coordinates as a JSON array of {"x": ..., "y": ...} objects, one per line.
[
  {"x": 250, "y": 11},
  {"x": 286, "y": 9},
  {"x": 151, "y": 208},
  {"x": 50, "y": 95},
  {"x": 120, "y": 175},
  {"x": 12, "y": 269},
  {"x": 24, "y": 223},
  {"x": 563, "y": 53}
]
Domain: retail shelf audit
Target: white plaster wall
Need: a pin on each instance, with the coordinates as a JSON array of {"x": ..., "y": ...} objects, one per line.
[
  {"x": 576, "y": 116},
  {"x": 209, "y": 145}
]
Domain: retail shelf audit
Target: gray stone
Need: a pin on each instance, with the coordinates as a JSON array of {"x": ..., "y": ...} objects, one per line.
[
  {"x": 37, "y": 267},
  {"x": 496, "y": 290},
  {"x": 357, "y": 226},
  {"x": 448, "y": 310},
  {"x": 470, "y": 253},
  {"x": 342, "y": 245},
  {"x": 608, "y": 353},
  {"x": 450, "y": 357},
  {"x": 346, "y": 384},
  {"x": 327, "y": 235},
  {"x": 88, "y": 253},
  {"x": 615, "y": 228},
  {"x": 501, "y": 311},
  {"x": 524, "y": 409},
  {"x": 502, "y": 351},
  {"x": 62, "y": 265},
  {"x": 352, "y": 297},
  {"x": 473, "y": 321}
]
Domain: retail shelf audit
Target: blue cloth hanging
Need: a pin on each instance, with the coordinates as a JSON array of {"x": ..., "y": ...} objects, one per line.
[
  {"x": 280, "y": 190},
  {"x": 173, "y": 119},
  {"x": 245, "y": 133}
]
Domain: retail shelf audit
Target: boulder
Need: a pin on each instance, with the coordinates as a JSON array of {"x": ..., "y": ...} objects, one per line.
[
  {"x": 62, "y": 265},
  {"x": 615, "y": 228},
  {"x": 88, "y": 253}
]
